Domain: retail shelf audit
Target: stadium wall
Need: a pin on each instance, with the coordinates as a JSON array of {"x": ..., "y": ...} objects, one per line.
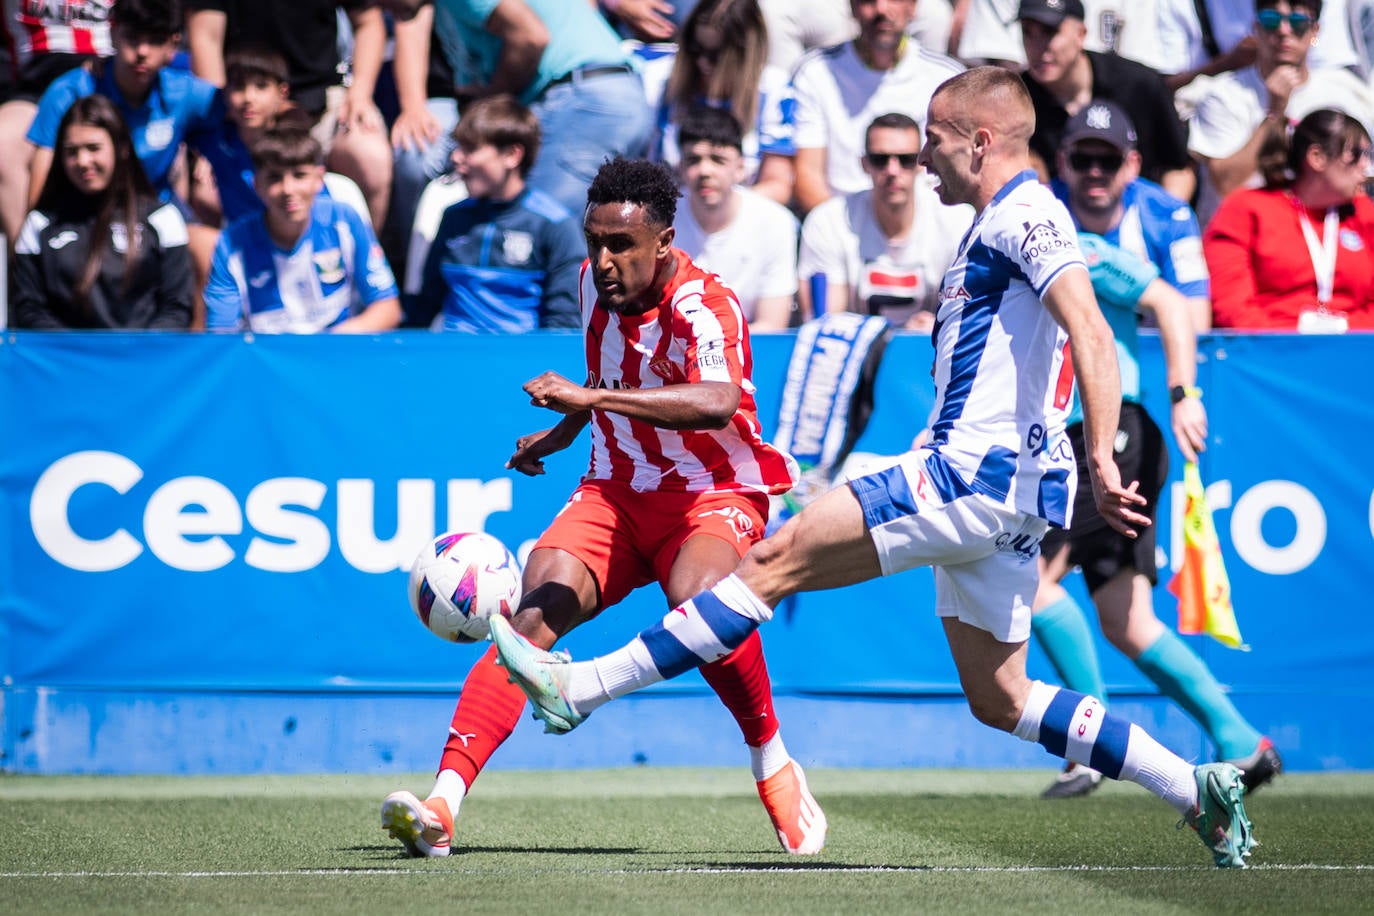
[{"x": 205, "y": 541}]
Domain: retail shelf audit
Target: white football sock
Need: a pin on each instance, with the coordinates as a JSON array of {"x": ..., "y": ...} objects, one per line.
[
  {"x": 449, "y": 786},
  {"x": 768, "y": 758}
]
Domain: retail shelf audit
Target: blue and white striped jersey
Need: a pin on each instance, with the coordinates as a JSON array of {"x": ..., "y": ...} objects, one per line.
[
  {"x": 1002, "y": 378},
  {"x": 336, "y": 270}
]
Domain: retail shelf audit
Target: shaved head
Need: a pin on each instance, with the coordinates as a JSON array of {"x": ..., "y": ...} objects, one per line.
[{"x": 993, "y": 98}]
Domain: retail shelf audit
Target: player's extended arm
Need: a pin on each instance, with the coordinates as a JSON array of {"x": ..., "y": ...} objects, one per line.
[
  {"x": 531, "y": 450},
  {"x": 1173, "y": 314},
  {"x": 697, "y": 405},
  {"x": 1070, "y": 300}
]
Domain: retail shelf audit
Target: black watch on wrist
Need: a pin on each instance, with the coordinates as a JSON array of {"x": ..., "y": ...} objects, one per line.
[{"x": 1179, "y": 392}]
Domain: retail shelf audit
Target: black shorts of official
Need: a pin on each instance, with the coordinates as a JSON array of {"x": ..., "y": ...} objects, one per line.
[
  {"x": 1094, "y": 546},
  {"x": 38, "y": 73}
]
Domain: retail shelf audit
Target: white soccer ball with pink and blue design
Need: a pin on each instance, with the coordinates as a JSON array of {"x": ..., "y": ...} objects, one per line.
[{"x": 459, "y": 580}]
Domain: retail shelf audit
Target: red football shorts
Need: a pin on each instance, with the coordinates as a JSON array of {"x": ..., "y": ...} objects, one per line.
[{"x": 629, "y": 539}]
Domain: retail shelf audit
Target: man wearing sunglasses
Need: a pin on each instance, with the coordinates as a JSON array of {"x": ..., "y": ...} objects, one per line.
[
  {"x": 1236, "y": 111},
  {"x": 1099, "y": 181},
  {"x": 882, "y": 251}
]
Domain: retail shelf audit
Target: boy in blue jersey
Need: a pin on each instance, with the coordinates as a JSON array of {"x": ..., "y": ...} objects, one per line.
[
  {"x": 974, "y": 502},
  {"x": 163, "y": 106},
  {"x": 507, "y": 258},
  {"x": 307, "y": 263}
]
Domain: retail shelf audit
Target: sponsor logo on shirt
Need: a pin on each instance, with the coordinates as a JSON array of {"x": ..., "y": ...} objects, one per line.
[
  {"x": 1042, "y": 239},
  {"x": 260, "y": 280},
  {"x": 62, "y": 239}
]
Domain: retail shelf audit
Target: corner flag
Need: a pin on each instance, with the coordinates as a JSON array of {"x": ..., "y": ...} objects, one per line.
[{"x": 1201, "y": 585}]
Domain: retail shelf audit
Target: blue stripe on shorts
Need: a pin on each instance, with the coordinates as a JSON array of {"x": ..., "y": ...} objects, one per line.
[{"x": 884, "y": 496}]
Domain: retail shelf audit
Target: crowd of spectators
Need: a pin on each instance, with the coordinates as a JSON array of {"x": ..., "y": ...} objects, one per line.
[{"x": 244, "y": 164}]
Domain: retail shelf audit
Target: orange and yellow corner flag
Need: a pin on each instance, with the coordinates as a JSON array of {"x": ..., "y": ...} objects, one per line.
[{"x": 1201, "y": 585}]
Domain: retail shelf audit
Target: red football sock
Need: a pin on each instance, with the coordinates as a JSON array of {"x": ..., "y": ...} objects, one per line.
[
  {"x": 488, "y": 709},
  {"x": 740, "y": 679}
]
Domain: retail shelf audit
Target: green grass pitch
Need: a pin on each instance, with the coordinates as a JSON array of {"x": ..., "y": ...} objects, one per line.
[{"x": 665, "y": 841}]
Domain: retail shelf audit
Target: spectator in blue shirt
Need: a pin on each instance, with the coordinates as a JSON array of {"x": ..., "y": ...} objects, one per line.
[
  {"x": 163, "y": 106},
  {"x": 257, "y": 99},
  {"x": 508, "y": 257},
  {"x": 563, "y": 60},
  {"x": 307, "y": 263}
]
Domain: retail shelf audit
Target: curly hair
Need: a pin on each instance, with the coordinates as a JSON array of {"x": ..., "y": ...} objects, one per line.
[{"x": 651, "y": 185}]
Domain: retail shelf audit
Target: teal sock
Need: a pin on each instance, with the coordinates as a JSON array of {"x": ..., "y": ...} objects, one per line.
[
  {"x": 1184, "y": 678},
  {"x": 1064, "y": 635}
]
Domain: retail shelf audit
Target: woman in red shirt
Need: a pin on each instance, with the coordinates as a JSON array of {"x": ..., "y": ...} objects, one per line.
[{"x": 1298, "y": 254}]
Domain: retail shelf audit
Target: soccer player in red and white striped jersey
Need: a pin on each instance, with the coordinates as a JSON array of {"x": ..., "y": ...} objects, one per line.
[{"x": 676, "y": 492}]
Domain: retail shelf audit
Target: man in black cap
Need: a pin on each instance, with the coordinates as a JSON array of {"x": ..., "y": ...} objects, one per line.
[
  {"x": 1099, "y": 181},
  {"x": 1063, "y": 77}
]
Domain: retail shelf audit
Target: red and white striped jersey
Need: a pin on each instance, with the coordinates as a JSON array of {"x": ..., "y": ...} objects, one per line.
[
  {"x": 36, "y": 27},
  {"x": 696, "y": 334}
]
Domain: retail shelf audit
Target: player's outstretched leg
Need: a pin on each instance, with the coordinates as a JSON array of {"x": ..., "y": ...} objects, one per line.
[
  {"x": 1219, "y": 816},
  {"x": 1208, "y": 797},
  {"x": 1061, "y": 628},
  {"x": 425, "y": 828},
  {"x": 536, "y": 672}
]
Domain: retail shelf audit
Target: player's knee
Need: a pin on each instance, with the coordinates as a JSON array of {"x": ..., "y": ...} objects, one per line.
[{"x": 994, "y": 709}]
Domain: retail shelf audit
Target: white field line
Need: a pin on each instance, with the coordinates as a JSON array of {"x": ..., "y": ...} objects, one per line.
[{"x": 818, "y": 868}]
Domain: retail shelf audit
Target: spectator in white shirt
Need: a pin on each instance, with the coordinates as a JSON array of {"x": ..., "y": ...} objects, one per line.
[
  {"x": 882, "y": 251},
  {"x": 745, "y": 238}
]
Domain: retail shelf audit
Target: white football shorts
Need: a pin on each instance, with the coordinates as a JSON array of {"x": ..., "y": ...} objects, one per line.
[{"x": 983, "y": 551}]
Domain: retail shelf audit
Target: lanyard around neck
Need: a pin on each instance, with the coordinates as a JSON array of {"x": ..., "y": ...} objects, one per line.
[{"x": 1323, "y": 253}]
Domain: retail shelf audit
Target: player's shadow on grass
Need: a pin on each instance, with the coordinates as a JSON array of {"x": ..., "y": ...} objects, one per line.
[{"x": 394, "y": 852}]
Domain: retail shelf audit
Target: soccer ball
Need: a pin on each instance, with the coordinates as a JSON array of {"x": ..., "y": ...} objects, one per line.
[{"x": 459, "y": 580}]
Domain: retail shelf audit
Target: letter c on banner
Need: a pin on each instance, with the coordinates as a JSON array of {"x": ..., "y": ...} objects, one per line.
[
  {"x": 48, "y": 511},
  {"x": 1248, "y": 536}
]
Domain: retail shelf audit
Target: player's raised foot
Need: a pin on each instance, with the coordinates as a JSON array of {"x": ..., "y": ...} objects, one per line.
[
  {"x": 1073, "y": 781},
  {"x": 1219, "y": 817},
  {"x": 1259, "y": 768},
  {"x": 535, "y": 672},
  {"x": 799, "y": 821},
  {"x": 425, "y": 828}
]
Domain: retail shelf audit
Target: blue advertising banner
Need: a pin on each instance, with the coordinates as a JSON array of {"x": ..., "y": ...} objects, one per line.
[{"x": 220, "y": 515}]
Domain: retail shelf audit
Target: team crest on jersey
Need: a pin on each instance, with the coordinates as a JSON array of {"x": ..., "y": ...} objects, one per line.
[
  {"x": 666, "y": 369},
  {"x": 158, "y": 134},
  {"x": 1351, "y": 241},
  {"x": 119, "y": 237},
  {"x": 517, "y": 247},
  {"x": 1042, "y": 239},
  {"x": 329, "y": 265}
]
